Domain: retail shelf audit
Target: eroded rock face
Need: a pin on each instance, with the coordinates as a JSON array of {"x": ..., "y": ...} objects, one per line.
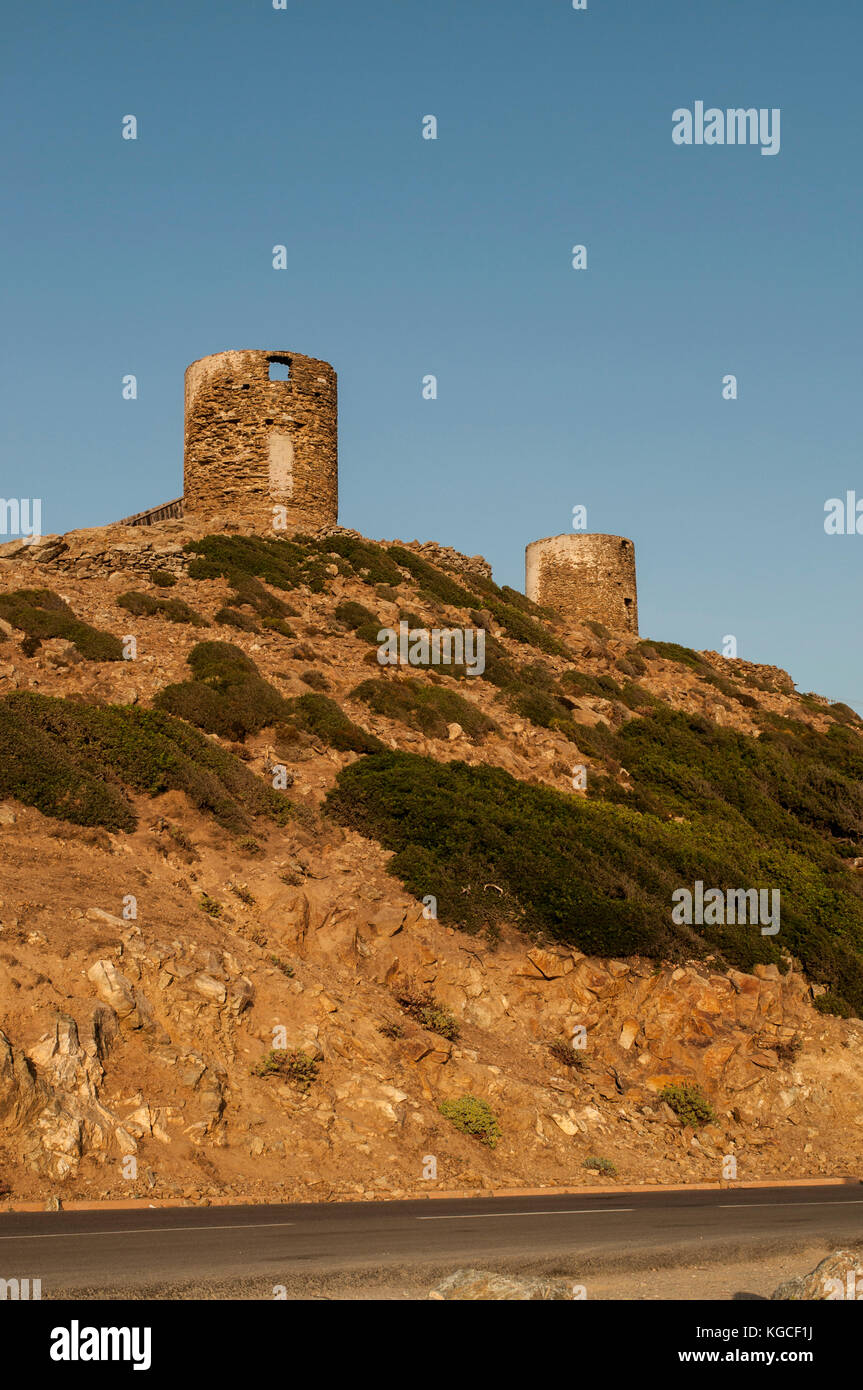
[{"x": 49, "y": 1100}]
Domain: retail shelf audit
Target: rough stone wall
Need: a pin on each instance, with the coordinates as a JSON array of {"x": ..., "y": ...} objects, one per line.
[
  {"x": 585, "y": 576},
  {"x": 252, "y": 444}
]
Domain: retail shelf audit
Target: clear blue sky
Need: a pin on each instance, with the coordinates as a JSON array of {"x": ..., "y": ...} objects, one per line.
[{"x": 409, "y": 257}]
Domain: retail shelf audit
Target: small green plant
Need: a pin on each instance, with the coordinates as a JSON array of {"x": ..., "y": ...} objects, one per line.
[
  {"x": 426, "y": 1011},
  {"x": 163, "y": 579},
  {"x": 297, "y": 1068},
  {"x": 567, "y": 1055},
  {"x": 210, "y": 905},
  {"x": 249, "y": 845},
  {"x": 282, "y": 965},
  {"x": 391, "y": 1030},
  {"x": 474, "y": 1117},
  {"x": 315, "y": 680},
  {"x": 240, "y": 891},
  {"x": 689, "y": 1103},
  {"x": 601, "y": 1165},
  {"x": 179, "y": 836}
]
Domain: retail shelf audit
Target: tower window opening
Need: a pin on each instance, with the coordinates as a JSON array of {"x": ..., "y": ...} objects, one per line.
[{"x": 280, "y": 369}]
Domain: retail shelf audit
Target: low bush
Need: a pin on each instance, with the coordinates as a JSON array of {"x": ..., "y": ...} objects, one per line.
[
  {"x": 40, "y": 613},
  {"x": 319, "y": 715},
  {"x": 427, "y": 708},
  {"x": 228, "y": 695},
  {"x": 830, "y": 1003},
  {"x": 689, "y": 1103},
  {"x": 601, "y": 1165},
  {"x": 173, "y": 609},
  {"x": 315, "y": 680},
  {"x": 297, "y": 1068},
  {"x": 426, "y": 1011},
  {"x": 474, "y": 1117},
  {"x": 75, "y": 762}
]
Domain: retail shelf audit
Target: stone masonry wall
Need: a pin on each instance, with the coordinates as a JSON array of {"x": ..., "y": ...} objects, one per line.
[
  {"x": 585, "y": 576},
  {"x": 252, "y": 444}
]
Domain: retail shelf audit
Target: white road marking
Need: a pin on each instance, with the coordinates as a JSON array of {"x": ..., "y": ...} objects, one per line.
[
  {"x": 492, "y": 1215},
  {"x": 148, "y": 1231},
  {"x": 851, "y": 1202}
]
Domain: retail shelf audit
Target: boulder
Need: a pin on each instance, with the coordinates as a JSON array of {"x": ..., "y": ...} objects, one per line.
[
  {"x": 839, "y": 1276},
  {"x": 112, "y": 987}
]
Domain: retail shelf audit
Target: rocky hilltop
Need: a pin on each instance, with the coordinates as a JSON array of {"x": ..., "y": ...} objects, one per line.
[{"x": 278, "y": 922}]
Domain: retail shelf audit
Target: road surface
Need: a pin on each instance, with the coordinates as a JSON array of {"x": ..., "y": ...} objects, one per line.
[{"x": 133, "y": 1253}]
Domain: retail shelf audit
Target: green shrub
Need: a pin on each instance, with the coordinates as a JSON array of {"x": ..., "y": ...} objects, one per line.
[
  {"x": 474, "y": 1117},
  {"x": 41, "y": 613},
  {"x": 164, "y": 579},
  {"x": 74, "y": 761},
  {"x": 566, "y": 1055},
  {"x": 359, "y": 619},
  {"x": 232, "y": 617},
  {"x": 174, "y": 609},
  {"x": 428, "y": 708},
  {"x": 285, "y": 564},
  {"x": 297, "y": 1068},
  {"x": 426, "y": 1011},
  {"x": 369, "y": 562},
  {"x": 601, "y": 1165},
  {"x": 210, "y": 905},
  {"x": 830, "y": 1003},
  {"x": 228, "y": 695},
  {"x": 689, "y": 1103},
  {"x": 316, "y": 680},
  {"x": 321, "y": 716}
]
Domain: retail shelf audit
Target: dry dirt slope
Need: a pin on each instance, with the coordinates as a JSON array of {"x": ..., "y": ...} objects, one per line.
[{"x": 139, "y": 1036}]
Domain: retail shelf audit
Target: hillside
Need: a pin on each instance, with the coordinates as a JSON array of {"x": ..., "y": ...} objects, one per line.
[{"x": 251, "y": 825}]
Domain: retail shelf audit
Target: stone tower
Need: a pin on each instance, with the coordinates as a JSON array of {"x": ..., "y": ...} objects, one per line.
[
  {"x": 261, "y": 440},
  {"x": 585, "y": 576}
]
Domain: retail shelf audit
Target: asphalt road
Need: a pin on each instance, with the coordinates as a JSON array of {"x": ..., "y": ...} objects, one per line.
[{"x": 113, "y": 1252}]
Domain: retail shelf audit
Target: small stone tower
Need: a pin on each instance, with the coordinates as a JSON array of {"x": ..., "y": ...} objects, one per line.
[
  {"x": 262, "y": 433},
  {"x": 585, "y": 576}
]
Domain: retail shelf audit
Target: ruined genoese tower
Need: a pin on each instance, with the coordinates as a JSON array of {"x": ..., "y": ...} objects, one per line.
[
  {"x": 585, "y": 576},
  {"x": 261, "y": 442}
]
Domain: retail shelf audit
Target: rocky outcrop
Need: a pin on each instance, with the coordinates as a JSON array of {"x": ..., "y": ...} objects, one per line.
[
  {"x": 50, "y": 1100},
  {"x": 838, "y": 1277}
]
